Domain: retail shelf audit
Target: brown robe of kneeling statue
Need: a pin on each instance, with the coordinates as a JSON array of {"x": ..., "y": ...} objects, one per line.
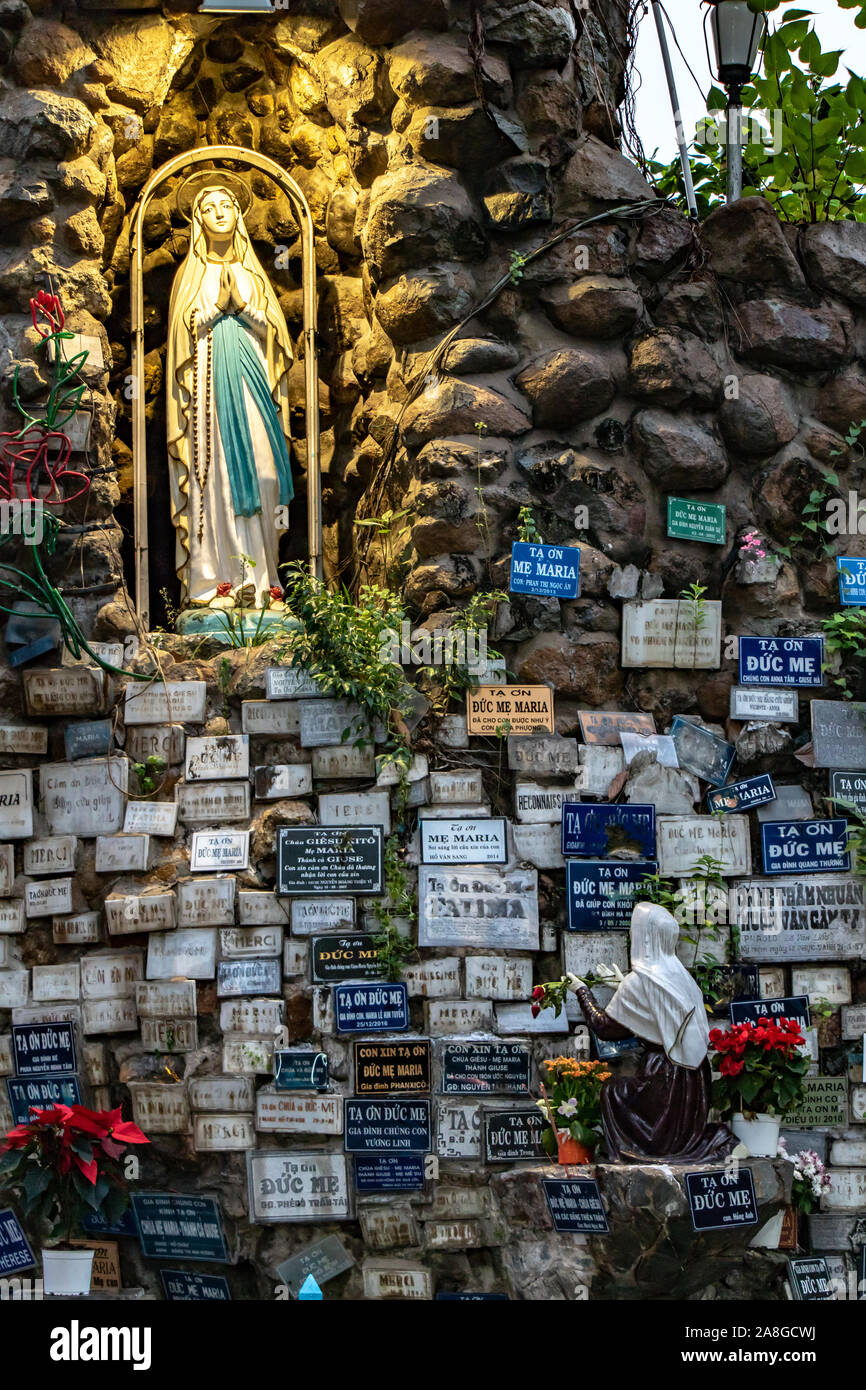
[{"x": 660, "y": 1114}]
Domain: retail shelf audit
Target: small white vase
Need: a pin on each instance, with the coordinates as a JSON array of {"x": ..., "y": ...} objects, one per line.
[
  {"x": 67, "y": 1271},
  {"x": 760, "y": 1135}
]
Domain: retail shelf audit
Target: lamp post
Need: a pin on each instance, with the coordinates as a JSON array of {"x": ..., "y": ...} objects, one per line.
[{"x": 737, "y": 36}]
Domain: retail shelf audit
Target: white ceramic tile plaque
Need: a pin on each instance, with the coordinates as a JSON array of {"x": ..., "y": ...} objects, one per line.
[
  {"x": 12, "y": 920},
  {"x": 56, "y": 982},
  {"x": 121, "y": 854},
  {"x": 839, "y": 734},
  {"x": 817, "y": 917},
  {"x": 208, "y": 902},
  {"x": 48, "y": 896},
  {"x": 287, "y": 1112},
  {"x": 847, "y": 1190},
  {"x": 433, "y": 979},
  {"x": 539, "y": 845},
  {"x": 168, "y": 702},
  {"x": 314, "y": 916},
  {"x": 464, "y": 841},
  {"x": 478, "y": 907},
  {"x": 297, "y": 1186},
  {"x": 219, "y": 849},
  {"x": 239, "y": 943},
  {"x": 248, "y": 1055},
  {"x": 458, "y": 1129},
  {"x": 86, "y": 798},
  {"x": 598, "y": 767},
  {"x": 158, "y": 1108},
  {"x": 270, "y": 718},
  {"x": 498, "y": 977},
  {"x": 663, "y": 633},
  {"x": 189, "y": 952},
  {"x": 223, "y": 1133},
  {"x": 396, "y": 1279},
  {"x": 682, "y": 840},
  {"x": 66, "y": 690},
  {"x": 16, "y": 805},
  {"x": 582, "y": 951},
  {"x": 217, "y": 757},
  {"x": 341, "y": 761},
  {"x": 854, "y": 1021},
  {"x": 113, "y": 975},
  {"x": 324, "y": 722},
  {"x": 252, "y": 1017},
  {"x": 233, "y": 1094},
  {"x": 81, "y": 929},
  {"x": 55, "y": 855},
  {"x": 23, "y": 738},
  {"x": 515, "y": 1020},
  {"x": 830, "y": 983},
  {"x": 14, "y": 988},
  {"x": 166, "y": 741},
  {"x": 165, "y": 998},
  {"x": 762, "y": 702},
  {"x": 446, "y": 788},
  {"x": 150, "y": 818},
  {"x": 542, "y": 755},
  {"x": 128, "y": 913},
  {"x": 355, "y": 809},
  {"x": 291, "y": 683},
  {"x": 457, "y": 1017},
  {"x": 212, "y": 803},
  {"x": 260, "y": 909},
  {"x": 109, "y": 1016},
  {"x": 283, "y": 779},
  {"x": 169, "y": 1034},
  {"x": 538, "y": 804}
]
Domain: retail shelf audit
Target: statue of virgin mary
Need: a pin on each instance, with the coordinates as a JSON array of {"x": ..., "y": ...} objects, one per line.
[{"x": 227, "y": 407}]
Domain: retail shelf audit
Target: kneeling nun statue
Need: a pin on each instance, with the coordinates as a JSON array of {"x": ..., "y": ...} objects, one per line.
[{"x": 659, "y": 1114}]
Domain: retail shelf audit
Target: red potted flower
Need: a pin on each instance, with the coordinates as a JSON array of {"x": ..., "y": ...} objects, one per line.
[
  {"x": 761, "y": 1066},
  {"x": 65, "y": 1162}
]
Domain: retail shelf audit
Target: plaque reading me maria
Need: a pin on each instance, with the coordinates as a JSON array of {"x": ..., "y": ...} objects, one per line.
[{"x": 329, "y": 859}]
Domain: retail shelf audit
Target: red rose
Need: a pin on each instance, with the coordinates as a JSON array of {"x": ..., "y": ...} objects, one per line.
[
  {"x": 538, "y": 992},
  {"x": 536, "y": 1010},
  {"x": 224, "y": 589},
  {"x": 275, "y": 591}
]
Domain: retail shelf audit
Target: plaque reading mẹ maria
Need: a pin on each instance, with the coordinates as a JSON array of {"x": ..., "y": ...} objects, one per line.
[
  {"x": 509, "y": 709},
  {"x": 329, "y": 859},
  {"x": 392, "y": 1068}
]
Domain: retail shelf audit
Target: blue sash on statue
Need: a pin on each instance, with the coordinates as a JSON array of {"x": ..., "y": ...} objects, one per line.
[{"x": 236, "y": 365}]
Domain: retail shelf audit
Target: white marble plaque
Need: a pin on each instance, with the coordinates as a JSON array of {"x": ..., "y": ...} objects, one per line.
[
  {"x": 478, "y": 907},
  {"x": 208, "y": 902},
  {"x": 270, "y": 718},
  {"x": 12, "y": 921},
  {"x": 252, "y": 1017},
  {"x": 217, "y": 757},
  {"x": 287, "y": 1112},
  {"x": 297, "y": 1186},
  {"x": 847, "y": 1190},
  {"x": 223, "y": 1133},
  {"x": 166, "y": 741},
  {"x": 433, "y": 979},
  {"x": 682, "y": 840},
  {"x": 85, "y": 798},
  {"x": 23, "y": 738},
  {"x": 663, "y": 632},
  {"x": 55, "y": 855},
  {"x": 457, "y": 1017},
  {"x": 81, "y": 929},
  {"x": 599, "y": 765},
  {"x": 283, "y": 779},
  {"x": 339, "y": 761},
  {"x": 129, "y": 913},
  {"x": 388, "y": 771},
  {"x": 472, "y": 810},
  {"x": 260, "y": 909},
  {"x": 14, "y": 988},
  {"x": 233, "y": 1094},
  {"x": 839, "y": 734},
  {"x": 240, "y": 943},
  {"x": 56, "y": 982},
  {"x": 452, "y": 731},
  {"x": 113, "y": 975},
  {"x": 165, "y": 702},
  {"x": 762, "y": 703},
  {"x": 458, "y": 1129},
  {"x": 582, "y": 951},
  {"x": 169, "y": 1034},
  {"x": 109, "y": 1016},
  {"x": 296, "y": 959},
  {"x": 325, "y": 722},
  {"x": 291, "y": 683},
  {"x": 188, "y": 952},
  {"x": 158, "y": 1108},
  {"x": 854, "y": 1020},
  {"x": 446, "y": 788},
  {"x": 48, "y": 896},
  {"x": 537, "y": 804},
  {"x": 355, "y": 809},
  {"x": 65, "y": 690},
  {"x": 516, "y": 1020},
  {"x": 817, "y": 917},
  {"x": 498, "y": 977},
  {"x": 464, "y": 841},
  {"x": 544, "y": 755},
  {"x": 165, "y": 998},
  {"x": 831, "y": 983},
  {"x": 539, "y": 845},
  {"x": 248, "y": 1055},
  {"x": 318, "y": 916},
  {"x": 16, "y": 805},
  {"x": 212, "y": 802},
  {"x": 219, "y": 849},
  {"x": 396, "y": 1279},
  {"x": 150, "y": 818},
  {"x": 121, "y": 854}
]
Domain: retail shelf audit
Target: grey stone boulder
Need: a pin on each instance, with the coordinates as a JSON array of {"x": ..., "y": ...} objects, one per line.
[
  {"x": 834, "y": 254},
  {"x": 461, "y": 137},
  {"x": 566, "y": 385},
  {"x": 517, "y": 193},
  {"x": 355, "y": 81},
  {"x": 663, "y": 242},
  {"x": 419, "y": 216},
  {"x": 679, "y": 451},
  {"x": 843, "y": 399},
  {"x": 433, "y": 70},
  {"x": 455, "y": 407},
  {"x": 537, "y": 36},
  {"x": 762, "y": 417},
  {"x": 791, "y": 335},
  {"x": 673, "y": 369},
  {"x": 418, "y": 305},
  {"x": 746, "y": 244},
  {"x": 44, "y": 123},
  {"x": 693, "y": 305},
  {"x": 383, "y": 21},
  {"x": 597, "y": 177},
  {"x": 594, "y": 306},
  {"x": 468, "y": 356}
]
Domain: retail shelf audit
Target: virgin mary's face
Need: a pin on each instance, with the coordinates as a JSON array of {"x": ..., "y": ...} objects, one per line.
[{"x": 219, "y": 215}]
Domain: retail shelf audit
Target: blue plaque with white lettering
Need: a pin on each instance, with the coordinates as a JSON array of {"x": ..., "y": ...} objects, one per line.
[
  {"x": 551, "y": 571},
  {"x": 742, "y": 796},
  {"x": 389, "y": 1173},
  {"x": 40, "y": 1093},
  {"x": 15, "y": 1253},
  {"x": 593, "y": 828},
  {"x": 386, "y": 1126},
  {"x": 781, "y": 661},
  {"x": 852, "y": 581},
  {"x": 805, "y": 846},
  {"x": 369, "y": 1008},
  {"x": 179, "y": 1225},
  {"x": 601, "y": 893},
  {"x": 44, "y": 1049},
  {"x": 722, "y": 1198},
  {"x": 182, "y": 1286},
  {"x": 88, "y": 740}
]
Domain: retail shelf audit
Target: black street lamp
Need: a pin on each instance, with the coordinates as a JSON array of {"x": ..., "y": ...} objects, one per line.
[{"x": 738, "y": 33}]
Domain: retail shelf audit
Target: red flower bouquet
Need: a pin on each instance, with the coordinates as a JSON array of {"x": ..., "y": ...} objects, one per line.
[
  {"x": 68, "y": 1160},
  {"x": 761, "y": 1066}
]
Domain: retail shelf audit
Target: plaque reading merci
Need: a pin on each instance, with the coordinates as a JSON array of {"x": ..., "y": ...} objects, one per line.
[{"x": 509, "y": 709}]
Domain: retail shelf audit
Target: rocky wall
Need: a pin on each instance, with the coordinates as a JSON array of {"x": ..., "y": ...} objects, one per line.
[{"x": 636, "y": 358}]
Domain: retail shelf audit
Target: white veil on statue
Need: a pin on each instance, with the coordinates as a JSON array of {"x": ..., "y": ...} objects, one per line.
[{"x": 658, "y": 1000}]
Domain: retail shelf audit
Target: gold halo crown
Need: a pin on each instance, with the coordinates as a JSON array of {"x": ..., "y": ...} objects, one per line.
[{"x": 204, "y": 179}]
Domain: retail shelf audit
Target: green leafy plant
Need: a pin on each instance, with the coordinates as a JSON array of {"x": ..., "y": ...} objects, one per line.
[
  {"x": 814, "y": 168},
  {"x": 812, "y": 534},
  {"x": 392, "y": 948},
  {"x": 526, "y": 527},
  {"x": 516, "y": 264},
  {"x": 845, "y": 636},
  {"x": 696, "y": 611},
  {"x": 150, "y": 773},
  {"x": 451, "y": 681},
  {"x": 394, "y": 540}
]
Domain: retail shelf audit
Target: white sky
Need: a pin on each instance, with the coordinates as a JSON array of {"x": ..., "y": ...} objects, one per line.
[{"x": 834, "y": 27}]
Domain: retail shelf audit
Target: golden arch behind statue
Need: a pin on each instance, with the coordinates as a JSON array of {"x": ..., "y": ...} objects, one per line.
[{"x": 253, "y": 160}]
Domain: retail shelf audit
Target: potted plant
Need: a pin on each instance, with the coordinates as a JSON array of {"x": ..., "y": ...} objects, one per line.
[
  {"x": 810, "y": 1181},
  {"x": 573, "y": 1108},
  {"x": 66, "y": 1161},
  {"x": 761, "y": 1066}
]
